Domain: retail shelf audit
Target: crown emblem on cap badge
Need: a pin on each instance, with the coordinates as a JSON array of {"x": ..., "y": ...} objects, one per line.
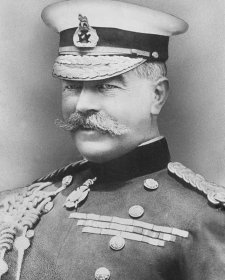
[{"x": 85, "y": 36}]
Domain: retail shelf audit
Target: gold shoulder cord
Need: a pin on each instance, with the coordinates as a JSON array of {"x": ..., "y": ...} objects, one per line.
[
  {"x": 214, "y": 193},
  {"x": 19, "y": 213}
]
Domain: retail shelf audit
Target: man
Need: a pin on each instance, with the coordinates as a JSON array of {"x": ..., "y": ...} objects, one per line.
[{"x": 125, "y": 211}]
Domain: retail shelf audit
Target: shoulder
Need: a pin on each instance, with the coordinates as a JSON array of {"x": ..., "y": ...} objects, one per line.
[
  {"x": 24, "y": 206},
  {"x": 69, "y": 169},
  {"x": 204, "y": 248},
  {"x": 19, "y": 194},
  {"x": 7, "y": 193},
  {"x": 185, "y": 195},
  {"x": 214, "y": 193}
]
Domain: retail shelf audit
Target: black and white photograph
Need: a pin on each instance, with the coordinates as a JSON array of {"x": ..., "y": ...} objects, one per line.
[{"x": 112, "y": 140}]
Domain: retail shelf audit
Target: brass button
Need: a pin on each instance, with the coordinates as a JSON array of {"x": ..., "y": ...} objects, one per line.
[
  {"x": 155, "y": 54},
  {"x": 117, "y": 243},
  {"x": 151, "y": 184},
  {"x": 102, "y": 273},
  {"x": 136, "y": 211}
]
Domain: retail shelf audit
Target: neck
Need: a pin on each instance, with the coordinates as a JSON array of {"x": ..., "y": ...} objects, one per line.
[{"x": 153, "y": 132}]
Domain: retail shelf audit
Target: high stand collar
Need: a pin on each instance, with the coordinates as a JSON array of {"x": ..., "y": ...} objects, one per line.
[{"x": 143, "y": 160}]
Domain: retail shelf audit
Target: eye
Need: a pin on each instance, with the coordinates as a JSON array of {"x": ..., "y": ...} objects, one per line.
[
  {"x": 75, "y": 86},
  {"x": 106, "y": 86}
]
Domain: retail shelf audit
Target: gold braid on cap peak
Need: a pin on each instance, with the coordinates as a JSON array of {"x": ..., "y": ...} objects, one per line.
[
  {"x": 214, "y": 193},
  {"x": 93, "y": 67}
]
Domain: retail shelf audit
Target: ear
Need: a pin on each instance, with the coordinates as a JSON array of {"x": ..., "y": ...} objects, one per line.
[{"x": 161, "y": 92}]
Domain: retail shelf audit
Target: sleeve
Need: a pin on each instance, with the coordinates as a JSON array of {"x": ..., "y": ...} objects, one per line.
[{"x": 204, "y": 254}]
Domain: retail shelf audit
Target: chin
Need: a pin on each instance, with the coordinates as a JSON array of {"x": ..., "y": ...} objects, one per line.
[
  {"x": 98, "y": 147},
  {"x": 95, "y": 152}
]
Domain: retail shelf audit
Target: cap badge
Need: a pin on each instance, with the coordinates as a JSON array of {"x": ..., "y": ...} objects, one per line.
[{"x": 85, "y": 36}]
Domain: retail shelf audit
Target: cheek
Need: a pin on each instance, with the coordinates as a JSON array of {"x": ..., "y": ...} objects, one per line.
[
  {"x": 131, "y": 110},
  {"x": 68, "y": 105},
  {"x": 141, "y": 103}
]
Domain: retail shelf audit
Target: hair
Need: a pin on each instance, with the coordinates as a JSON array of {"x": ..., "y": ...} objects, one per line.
[{"x": 151, "y": 70}]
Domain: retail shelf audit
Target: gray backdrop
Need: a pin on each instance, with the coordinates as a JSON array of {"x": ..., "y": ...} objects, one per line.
[{"x": 193, "y": 119}]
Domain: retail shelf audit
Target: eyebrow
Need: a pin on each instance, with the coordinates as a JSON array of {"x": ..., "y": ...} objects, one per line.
[{"x": 120, "y": 78}]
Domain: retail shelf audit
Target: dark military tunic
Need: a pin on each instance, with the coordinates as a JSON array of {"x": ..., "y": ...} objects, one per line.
[{"x": 61, "y": 251}]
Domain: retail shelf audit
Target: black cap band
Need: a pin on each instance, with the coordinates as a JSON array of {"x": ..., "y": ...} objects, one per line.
[{"x": 156, "y": 45}]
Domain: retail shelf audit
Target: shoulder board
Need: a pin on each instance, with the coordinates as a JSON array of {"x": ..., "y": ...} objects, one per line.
[
  {"x": 64, "y": 171},
  {"x": 214, "y": 193}
]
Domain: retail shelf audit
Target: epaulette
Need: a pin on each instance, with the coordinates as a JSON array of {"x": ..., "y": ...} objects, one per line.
[
  {"x": 214, "y": 193},
  {"x": 21, "y": 210}
]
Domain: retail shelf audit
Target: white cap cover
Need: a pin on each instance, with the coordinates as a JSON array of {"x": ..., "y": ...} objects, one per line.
[{"x": 125, "y": 35}]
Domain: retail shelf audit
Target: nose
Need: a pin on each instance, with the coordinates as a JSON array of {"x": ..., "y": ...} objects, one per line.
[{"x": 87, "y": 100}]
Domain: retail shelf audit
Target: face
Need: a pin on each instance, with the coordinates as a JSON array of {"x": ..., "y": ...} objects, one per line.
[{"x": 126, "y": 98}]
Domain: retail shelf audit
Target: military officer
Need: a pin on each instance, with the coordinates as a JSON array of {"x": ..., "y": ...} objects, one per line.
[{"x": 126, "y": 211}]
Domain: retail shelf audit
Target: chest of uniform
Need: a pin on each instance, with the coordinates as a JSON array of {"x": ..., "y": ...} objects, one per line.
[
  {"x": 75, "y": 248},
  {"x": 75, "y": 254}
]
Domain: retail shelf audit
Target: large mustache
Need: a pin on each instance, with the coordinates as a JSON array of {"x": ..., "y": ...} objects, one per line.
[{"x": 100, "y": 121}]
